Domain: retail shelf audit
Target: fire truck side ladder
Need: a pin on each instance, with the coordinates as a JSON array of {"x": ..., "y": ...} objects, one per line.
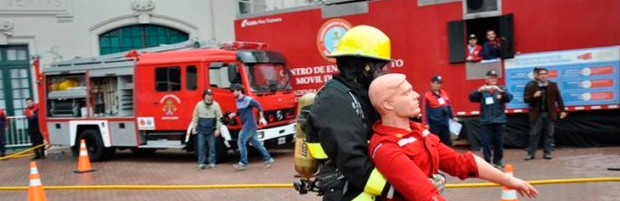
[{"x": 113, "y": 60}]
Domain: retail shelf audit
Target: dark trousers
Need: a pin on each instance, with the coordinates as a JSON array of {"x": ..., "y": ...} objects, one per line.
[
  {"x": 543, "y": 122},
  {"x": 2, "y": 141},
  {"x": 206, "y": 134},
  {"x": 37, "y": 139},
  {"x": 443, "y": 131},
  {"x": 203, "y": 139},
  {"x": 493, "y": 134}
]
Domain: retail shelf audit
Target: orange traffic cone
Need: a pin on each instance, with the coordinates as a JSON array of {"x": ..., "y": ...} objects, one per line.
[
  {"x": 507, "y": 193},
  {"x": 35, "y": 189},
  {"x": 83, "y": 160}
]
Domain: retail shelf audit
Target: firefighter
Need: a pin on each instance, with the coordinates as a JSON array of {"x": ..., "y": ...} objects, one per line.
[
  {"x": 399, "y": 147},
  {"x": 437, "y": 110},
  {"x": 341, "y": 118},
  {"x": 32, "y": 114}
]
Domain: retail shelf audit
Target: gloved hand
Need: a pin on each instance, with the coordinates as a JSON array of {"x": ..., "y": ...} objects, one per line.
[{"x": 439, "y": 180}]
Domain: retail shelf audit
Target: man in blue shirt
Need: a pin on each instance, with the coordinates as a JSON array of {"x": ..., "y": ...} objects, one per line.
[
  {"x": 491, "y": 48},
  {"x": 245, "y": 111}
]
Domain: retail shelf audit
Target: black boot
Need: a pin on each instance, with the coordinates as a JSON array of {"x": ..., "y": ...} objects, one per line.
[
  {"x": 36, "y": 155},
  {"x": 42, "y": 152}
]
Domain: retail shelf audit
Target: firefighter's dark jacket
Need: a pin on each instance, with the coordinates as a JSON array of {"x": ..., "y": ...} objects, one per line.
[{"x": 344, "y": 136}]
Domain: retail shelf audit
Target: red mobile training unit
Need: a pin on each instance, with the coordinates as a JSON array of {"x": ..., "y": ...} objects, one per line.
[{"x": 429, "y": 38}]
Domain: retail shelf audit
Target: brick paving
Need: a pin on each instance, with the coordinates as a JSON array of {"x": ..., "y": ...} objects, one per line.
[{"x": 173, "y": 167}]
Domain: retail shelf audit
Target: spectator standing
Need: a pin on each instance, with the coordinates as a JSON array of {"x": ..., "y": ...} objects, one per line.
[
  {"x": 492, "y": 98},
  {"x": 4, "y": 126},
  {"x": 32, "y": 115},
  {"x": 544, "y": 100},
  {"x": 437, "y": 110}
]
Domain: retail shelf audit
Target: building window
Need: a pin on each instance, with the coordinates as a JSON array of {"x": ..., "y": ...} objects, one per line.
[
  {"x": 219, "y": 75},
  {"x": 251, "y": 6},
  {"x": 168, "y": 79},
  {"x": 190, "y": 78},
  {"x": 15, "y": 86},
  {"x": 138, "y": 36}
]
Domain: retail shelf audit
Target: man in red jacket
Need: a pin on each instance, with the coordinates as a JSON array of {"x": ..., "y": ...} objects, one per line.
[
  {"x": 4, "y": 125},
  {"x": 399, "y": 147},
  {"x": 32, "y": 114},
  {"x": 437, "y": 110},
  {"x": 473, "y": 49}
]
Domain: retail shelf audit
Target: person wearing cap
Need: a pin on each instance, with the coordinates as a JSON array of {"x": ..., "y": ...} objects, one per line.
[
  {"x": 492, "y": 98},
  {"x": 341, "y": 118},
  {"x": 544, "y": 100},
  {"x": 473, "y": 49},
  {"x": 206, "y": 124},
  {"x": 491, "y": 48},
  {"x": 437, "y": 110},
  {"x": 245, "y": 111}
]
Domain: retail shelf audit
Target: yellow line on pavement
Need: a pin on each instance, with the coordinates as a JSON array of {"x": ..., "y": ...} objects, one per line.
[
  {"x": 540, "y": 182},
  {"x": 276, "y": 185}
]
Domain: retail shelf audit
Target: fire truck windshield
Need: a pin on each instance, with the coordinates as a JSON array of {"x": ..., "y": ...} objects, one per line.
[{"x": 268, "y": 77}]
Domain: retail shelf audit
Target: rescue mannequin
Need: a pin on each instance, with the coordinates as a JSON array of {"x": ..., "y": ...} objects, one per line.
[{"x": 399, "y": 146}]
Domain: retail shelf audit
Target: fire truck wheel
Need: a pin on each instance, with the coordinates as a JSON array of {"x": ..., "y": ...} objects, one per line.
[{"x": 96, "y": 150}]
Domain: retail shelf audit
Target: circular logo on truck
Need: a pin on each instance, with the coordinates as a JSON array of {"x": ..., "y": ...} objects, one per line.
[{"x": 329, "y": 35}]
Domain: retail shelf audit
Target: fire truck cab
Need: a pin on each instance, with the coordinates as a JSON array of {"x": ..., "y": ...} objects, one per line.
[{"x": 143, "y": 100}]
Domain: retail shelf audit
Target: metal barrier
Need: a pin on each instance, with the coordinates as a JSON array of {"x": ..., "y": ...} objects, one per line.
[{"x": 17, "y": 135}]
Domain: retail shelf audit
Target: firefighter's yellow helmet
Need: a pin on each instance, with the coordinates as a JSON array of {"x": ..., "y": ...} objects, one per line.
[{"x": 364, "y": 41}]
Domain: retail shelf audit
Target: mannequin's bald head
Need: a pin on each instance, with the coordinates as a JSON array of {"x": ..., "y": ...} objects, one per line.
[
  {"x": 391, "y": 95},
  {"x": 383, "y": 88}
]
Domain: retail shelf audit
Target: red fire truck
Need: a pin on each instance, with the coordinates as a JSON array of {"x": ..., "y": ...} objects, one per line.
[{"x": 143, "y": 100}]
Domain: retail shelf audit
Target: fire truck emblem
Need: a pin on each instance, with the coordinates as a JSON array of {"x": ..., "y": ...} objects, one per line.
[
  {"x": 169, "y": 108},
  {"x": 170, "y": 101},
  {"x": 329, "y": 36}
]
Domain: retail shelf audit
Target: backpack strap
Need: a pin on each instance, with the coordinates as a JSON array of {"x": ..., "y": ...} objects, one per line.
[{"x": 333, "y": 83}]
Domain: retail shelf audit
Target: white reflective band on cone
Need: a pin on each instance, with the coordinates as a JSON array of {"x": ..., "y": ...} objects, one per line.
[
  {"x": 83, "y": 153},
  {"x": 509, "y": 194},
  {"x": 35, "y": 182},
  {"x": 34, "y": 170}
]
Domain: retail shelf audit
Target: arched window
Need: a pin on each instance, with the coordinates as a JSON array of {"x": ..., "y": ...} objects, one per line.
[{"x": 138, "y": 36}]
